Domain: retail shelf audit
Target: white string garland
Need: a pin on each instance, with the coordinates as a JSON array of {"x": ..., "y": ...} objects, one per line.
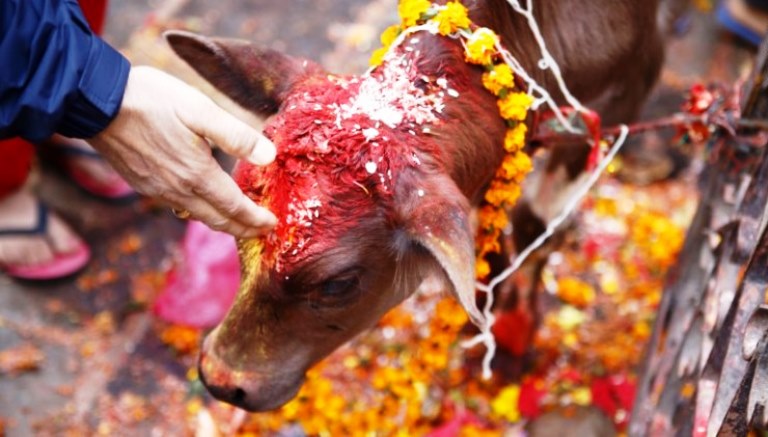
[
  {"x": 540, "y": 96},
  {"x": 486, "y": 336}
]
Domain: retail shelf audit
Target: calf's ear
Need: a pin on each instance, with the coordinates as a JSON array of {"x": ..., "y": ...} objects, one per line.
[
  {"x": 257, "y": 79},
  {"x": 436, "y": 215}
]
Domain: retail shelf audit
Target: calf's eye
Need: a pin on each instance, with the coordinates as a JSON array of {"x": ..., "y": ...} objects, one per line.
[
  {"x": 339, "y": 287},
  {"x": 338, "y": 291}
]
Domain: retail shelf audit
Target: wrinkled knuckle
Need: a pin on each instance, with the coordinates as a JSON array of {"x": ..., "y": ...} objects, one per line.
[
  {"x": 232, "y": 208},
  {"x": 187, "y": 184},
  {"x": 192, "y": 181}
]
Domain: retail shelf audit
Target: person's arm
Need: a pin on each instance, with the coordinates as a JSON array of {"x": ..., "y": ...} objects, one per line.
[{"x": 56, "y": 75}]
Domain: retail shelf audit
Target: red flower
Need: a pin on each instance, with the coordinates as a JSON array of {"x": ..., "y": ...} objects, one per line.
[
  {"x": 614, "y": 393},
  {"x": 532, "y": 390},
  {"x": 513, "y": 330}
]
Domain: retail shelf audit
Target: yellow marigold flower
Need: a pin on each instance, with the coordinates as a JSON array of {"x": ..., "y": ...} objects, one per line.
[
  {"x": 482, "y": 268},
  {"x": 377, "y": 57},
  {"x": 505, "y": 404},
  {"x": 657, "y": 238},
  {"x": 481, "y": 46},
  {"x": 514, "y": 140},
  {"x": 524, "y": 166},
  {"x": 390, "y": 34},
  {"x": 411, "y": 10},
  {"x": 582, "y": 396},
  {"x": 451, "y": 18},
  {"x": 575, "y": 292},
  {"x": 290, "y": 411},
  {"x": 514, "y": 167},
  {"x": 570, "y": 340},
  {"x": 514, "y": 106},
  {"x": 569, "y": 318},
  {"x": 499, "y": 78}
]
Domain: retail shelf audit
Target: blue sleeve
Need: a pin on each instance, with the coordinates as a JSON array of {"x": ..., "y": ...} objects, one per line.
[{"x": 56, "y": 76}]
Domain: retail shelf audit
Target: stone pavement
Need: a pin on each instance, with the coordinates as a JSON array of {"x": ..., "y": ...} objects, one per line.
[{"x": 95, "y": 351}]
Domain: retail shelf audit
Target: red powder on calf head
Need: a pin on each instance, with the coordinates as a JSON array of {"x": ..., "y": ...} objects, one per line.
[{"x": 341, "y": 142}]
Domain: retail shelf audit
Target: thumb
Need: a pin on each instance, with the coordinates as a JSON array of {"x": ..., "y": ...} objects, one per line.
[{"x": 228, "y": 132}]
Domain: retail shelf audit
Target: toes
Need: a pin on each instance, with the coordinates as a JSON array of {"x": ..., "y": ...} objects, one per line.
[{"x": 61, "y": 237}]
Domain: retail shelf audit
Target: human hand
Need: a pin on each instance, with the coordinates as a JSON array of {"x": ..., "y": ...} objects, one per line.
[{"x": 159, "y": 143}]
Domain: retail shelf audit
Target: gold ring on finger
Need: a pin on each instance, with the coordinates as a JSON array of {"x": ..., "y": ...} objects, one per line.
[{"x": 181, "y": 213}]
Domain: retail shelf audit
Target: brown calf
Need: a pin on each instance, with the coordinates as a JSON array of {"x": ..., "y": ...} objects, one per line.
[{"x": 375, "y": 176}]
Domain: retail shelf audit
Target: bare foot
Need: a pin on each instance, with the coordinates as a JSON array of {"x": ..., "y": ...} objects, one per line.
[{"x": 20, "y": 211}]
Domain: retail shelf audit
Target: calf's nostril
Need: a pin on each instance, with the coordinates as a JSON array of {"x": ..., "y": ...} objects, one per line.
[{"x": 238, "y": 396}]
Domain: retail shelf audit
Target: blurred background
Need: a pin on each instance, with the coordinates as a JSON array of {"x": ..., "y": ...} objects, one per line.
[{"x": 89, "y": 356}]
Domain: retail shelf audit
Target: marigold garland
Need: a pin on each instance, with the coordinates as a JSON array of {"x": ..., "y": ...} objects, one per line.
[{"x": 480, "y": 48}]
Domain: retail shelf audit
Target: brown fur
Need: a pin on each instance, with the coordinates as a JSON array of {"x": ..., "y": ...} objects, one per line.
[{"x": 286, "y": 320}]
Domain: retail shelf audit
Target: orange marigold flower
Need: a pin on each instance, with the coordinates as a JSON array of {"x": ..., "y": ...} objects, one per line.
[
  {"x": 487, "y": 240},
  {"x": 489, "y": 244},
  {"x": 482, "y": 268},
  {"x": 185, "y": 340},
  {"x": 475, "y": 430},
  {"x": 499, "y": 78},
  {"x": 641, "y": 330},
  {"x": 451, "y": 312},
  {"x": 411, "y": 10},
  {"x": 514, "y": 140},
  {"x": 451, "y": 18},
  {"x": 481, "y": 46},
  {"x": 514, "y": 106},
  {"x": 575, "y": 292},
  {"x": 493, "y": 217}
]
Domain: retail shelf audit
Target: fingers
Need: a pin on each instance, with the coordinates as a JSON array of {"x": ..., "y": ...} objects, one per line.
[
  {"x": 158, "y": 143},
  {"x": 199, "y": 210},
  {"x": 223, "y": 194},
  {"x": 228, "y": 132},
  {"x": 218, "y": 202}
]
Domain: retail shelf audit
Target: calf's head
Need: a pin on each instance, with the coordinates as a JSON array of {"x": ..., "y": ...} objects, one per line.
[{"x": 365, "y": 205}]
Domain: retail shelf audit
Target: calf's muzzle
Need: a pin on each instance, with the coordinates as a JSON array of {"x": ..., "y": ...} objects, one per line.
[{"x": 246, "y": 389}]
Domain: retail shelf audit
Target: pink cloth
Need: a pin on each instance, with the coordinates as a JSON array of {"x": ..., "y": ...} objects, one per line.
[{"x": 202, "y": 285}]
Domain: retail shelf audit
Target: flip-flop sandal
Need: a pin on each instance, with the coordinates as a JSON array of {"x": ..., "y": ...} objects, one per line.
[
  {"x": 733, "y": 25},
  {"x": 62, "y": 265},
  {"x": 61, "y": 154}
]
